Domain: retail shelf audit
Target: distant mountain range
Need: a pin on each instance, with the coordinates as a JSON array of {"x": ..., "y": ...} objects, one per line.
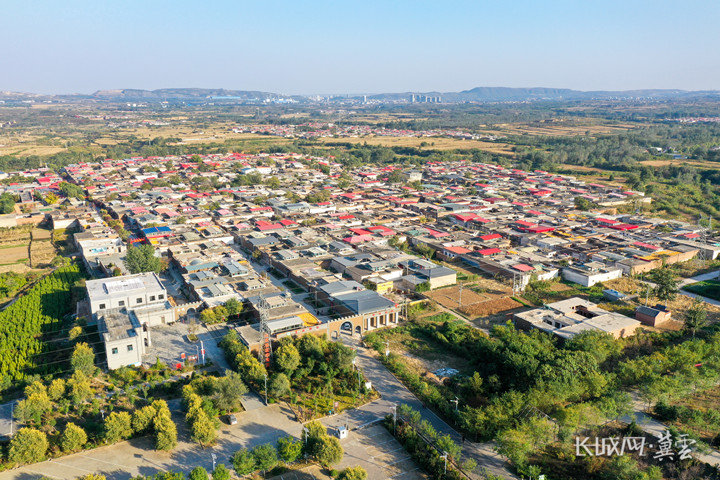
[{"x": 478, "y": 94}]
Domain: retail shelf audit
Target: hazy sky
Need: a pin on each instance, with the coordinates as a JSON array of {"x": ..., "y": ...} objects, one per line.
[{"x": 343, "y": 46}]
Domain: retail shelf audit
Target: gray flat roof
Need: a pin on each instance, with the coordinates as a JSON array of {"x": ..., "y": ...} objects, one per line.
[{"x": 122, "y": 286}]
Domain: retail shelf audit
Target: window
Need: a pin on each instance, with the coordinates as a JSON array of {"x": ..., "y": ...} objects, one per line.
[
  {"x": 121, "y": 303},
  {"x": 102, "y": 306},
  {"x": 130, "y": 348},
  {"x": 161, "y": 296},
  {"x": 152, "y": 298},
  {"x": 114, "y": 351},
  {"x": 139, "y": 300}
]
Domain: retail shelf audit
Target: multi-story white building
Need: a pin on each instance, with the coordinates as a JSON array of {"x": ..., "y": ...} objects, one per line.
[
  {"x": 124, "y": 308},
  {"x": 128, "y": 291}
]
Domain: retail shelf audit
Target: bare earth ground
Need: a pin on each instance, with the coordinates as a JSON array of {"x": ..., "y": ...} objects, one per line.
[
  {"x": 494, "y": 298},
  {"x": 433, "y": 143},
  {"x": 679, "y": 305}
]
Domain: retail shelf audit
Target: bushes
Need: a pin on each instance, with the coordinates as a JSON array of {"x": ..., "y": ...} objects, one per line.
[
  {"x": 320, "y": 446},
  {"x": 28, "y": 446},
  {"x": 289, "y": 449},
  {"x": 73, "y": 438},
  {"x": 420, "y": 448},
  {"x": 203, "y": 427},
  {"x": 118, "y": 426},
  {"x": 165, "y": 428}
]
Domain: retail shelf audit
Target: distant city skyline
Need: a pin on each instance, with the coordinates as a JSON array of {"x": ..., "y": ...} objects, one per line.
[{"x": 325, "y": 47}]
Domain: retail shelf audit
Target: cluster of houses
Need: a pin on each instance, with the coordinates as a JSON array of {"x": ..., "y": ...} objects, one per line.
[
  {"x": 331, "y": 130},
  {"x": 309, "y": 245}
]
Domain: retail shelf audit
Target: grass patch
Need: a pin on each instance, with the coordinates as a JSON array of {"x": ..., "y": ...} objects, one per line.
[{"x": 707, "y": 288}]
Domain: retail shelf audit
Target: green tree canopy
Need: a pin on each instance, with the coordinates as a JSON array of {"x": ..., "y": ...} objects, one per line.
[
  {"x": 28, "y": 446},
  {"x": 73, "y": 438},
  {"x": 83, "y": 358},
  {"x": 142, "y": 259}
]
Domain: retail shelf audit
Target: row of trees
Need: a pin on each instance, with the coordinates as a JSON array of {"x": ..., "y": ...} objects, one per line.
[
  {"x": 222, "y": 313},
  {"x": 40, "y": 309},
  {"x": 315, "y": 444},
  {"x": 30, "y": 445}
]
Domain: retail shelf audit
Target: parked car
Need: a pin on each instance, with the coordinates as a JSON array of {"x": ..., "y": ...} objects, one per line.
[{"x": 232, "y": 420}]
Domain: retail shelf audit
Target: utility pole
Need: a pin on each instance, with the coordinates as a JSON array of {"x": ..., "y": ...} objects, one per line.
[
  {"x": 456, "y": 401},
  {"x": 214, "y": 457},
  {"x": 387, "y": 347},
  {"x": 202, "y": 351},
  {"x": 394, "y": 407},
  {"x": 444, "y": 457}
]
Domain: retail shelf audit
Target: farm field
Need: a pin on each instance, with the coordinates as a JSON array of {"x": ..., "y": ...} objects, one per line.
[
  {"x": 433, "y": 143},
  {"x": 475, "y": 301},
  {"x": 558, "y": 129}
]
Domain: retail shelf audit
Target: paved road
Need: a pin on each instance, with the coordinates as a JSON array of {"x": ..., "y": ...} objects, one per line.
[
  {"x": 394, "y": 392},
  {"x": 125, "y": 460},
  {"x": 700, "y": 278},
  {"x": 651, "y": 426}
]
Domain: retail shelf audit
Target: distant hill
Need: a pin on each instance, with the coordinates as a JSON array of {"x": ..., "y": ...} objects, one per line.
[
  {"x": 507, "y": 94},
  {"x": 477, "y": 94},
  {"x": 183, "y": 94}
]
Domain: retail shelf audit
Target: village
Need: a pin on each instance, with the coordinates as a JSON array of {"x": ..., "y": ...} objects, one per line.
[{"x": 329, "y": 251}]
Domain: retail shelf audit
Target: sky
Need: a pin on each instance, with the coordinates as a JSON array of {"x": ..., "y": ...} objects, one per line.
[{"x": 365, "y": 46}]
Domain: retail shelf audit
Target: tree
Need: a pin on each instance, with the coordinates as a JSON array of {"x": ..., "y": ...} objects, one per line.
[
  {"x": 582, "y": 203},
  {"x": 289, "y": 449},
  {"x": 243, "y": 462},
  {"x": 666, "y": 283},
  {"x": 118, "y": 426},
  {"x": 79, "y": 385},
  {"x": 233, "y": 307},
  {"x": 203, "y": 430},
  {"x": 74, "y": 332},
  {"x": 83, "y": 359},
  {"x": 329, "y": 451},
  {"x": 73, "y": 438},
  {"x": 142, "y": 419},
  {"x": 265, "y": 457},
  {"x": 221, "y": 472},
  {"x": 228, "y": 391},
  {"x": 142, "y": 259},
  {"x": 208, "y": 316},
  {"x": 279, "y": 385},
  {"x": 221, "y": 313},
  {"x": 51, "y": 199},
  {"x": 287, "y": 358},
  {"x": 695, "y": 317},
  {"x": 7, "y": 203},
  {"x": 33, "y": 408},
  {"x": 311, "y": 435},
  {"x": 71, "y": 190},
  {"x": 353, "y": 473},
  {"x": 56, "y": 390},
  {"x": 28, "y": 446},
  {"x": 447, "y": 444},
  {"x": 165, "y": 430},
  {"x": 198, "y": 473}
]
